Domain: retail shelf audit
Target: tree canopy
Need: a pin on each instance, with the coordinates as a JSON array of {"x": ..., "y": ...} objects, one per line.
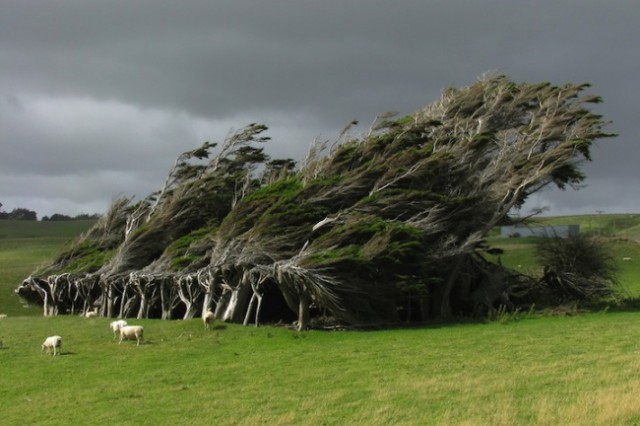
[{"x": 381, "y": 228}]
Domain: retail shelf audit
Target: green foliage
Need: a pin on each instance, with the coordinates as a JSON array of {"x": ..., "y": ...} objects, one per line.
[
  {"x": 189, "y": 249},
  {"x": 283, "y": 216},
  {"x": 285, "y": 189},
  {"x": 332, "y": 255},
  {"x": 87, "y": 257},
  {"x": 265, "y": 205}
]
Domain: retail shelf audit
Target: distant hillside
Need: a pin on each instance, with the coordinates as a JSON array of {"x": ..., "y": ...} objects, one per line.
[
  {"x": 25, "y": 246},
  {"x": 623, "y": 225}
]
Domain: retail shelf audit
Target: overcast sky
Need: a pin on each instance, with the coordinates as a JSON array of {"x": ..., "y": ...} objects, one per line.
[{"x": 97, "y": 98}]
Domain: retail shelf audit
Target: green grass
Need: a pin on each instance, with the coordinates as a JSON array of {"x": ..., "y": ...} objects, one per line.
[
  {"x": 28, "y": 229},
  {"x": 546, "y": 370}
]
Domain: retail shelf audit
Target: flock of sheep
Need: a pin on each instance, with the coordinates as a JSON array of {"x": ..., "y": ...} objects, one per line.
[{"x": 53, "y": 344}]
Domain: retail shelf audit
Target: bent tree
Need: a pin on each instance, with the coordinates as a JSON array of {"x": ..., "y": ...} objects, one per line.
[{"x": 386, "y": 227}]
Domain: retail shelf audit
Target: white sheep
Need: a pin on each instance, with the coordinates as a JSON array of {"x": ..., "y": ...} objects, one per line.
[
  {"x": 131, "y": 331},
  {"x": 91, "y": 314},
  {"x": 115, "y": 327},
  {"x": 3, "y": 316},
  {"x": 207, "y": 319},
  {"x": 52, "y": 342}
]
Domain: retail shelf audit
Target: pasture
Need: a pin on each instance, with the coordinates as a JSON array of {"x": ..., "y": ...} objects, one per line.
[
  {"x": 545, "y": 370},
  {"x": 523, "y": 368}
]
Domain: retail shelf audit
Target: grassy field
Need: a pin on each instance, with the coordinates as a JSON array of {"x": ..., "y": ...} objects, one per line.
[
  {"x": 517, "y": 369},
  {"x": 549, "y": 370}
]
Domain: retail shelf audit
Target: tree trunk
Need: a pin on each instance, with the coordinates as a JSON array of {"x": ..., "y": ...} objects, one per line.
[
  {"x": 166, "y": 313},
  {"x": 166, "y": 298},
  {"x": 249, "y": 309},
  {"x": 190, "y": 312},
  {"x": 222, "y": 303},
  {"x": 128, "y": 307},
  {"x": 208, "y": 297},
  {"x": 258, "y": 308},
  {"x": 143, "y": 306},
  {"x": 109, "y": 300},
  {"x": 445, "y": 294},
  {"x": 237, "y": 304},
  {"x": 303, "y": 312},
  {"x": 231, "y": 306}
]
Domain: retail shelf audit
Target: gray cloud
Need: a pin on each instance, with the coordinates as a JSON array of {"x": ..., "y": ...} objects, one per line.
[{"x": 97, "y": 98}]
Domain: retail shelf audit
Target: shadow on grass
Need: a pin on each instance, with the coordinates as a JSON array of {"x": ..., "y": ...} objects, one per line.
[
  {"x": 219, "y": 327},
  {"x": 66, "y": 353}
]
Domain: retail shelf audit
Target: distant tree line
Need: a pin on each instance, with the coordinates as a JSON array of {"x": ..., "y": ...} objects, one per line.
[
  {"x": 18, "y": 214},
  {"x": 21, "y": 213},
  {"x": 61, "y": 217}
]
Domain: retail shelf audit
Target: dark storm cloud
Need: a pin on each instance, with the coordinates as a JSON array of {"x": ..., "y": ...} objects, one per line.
[{"x": 115, "y": 90}]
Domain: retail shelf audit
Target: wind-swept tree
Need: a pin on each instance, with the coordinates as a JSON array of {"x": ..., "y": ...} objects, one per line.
[
  {"x": 576, "y": 269},
  {"x": 387, "y": 227}
]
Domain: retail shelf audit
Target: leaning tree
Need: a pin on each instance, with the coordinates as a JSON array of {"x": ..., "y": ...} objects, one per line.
[{"x": 380, "y": 228}]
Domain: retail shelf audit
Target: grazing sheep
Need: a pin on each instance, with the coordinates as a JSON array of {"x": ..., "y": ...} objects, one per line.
[
  {"x": 626, "y": 258},
  {"x": 3, "y": 316},
  {"x": 115, "y": 327},
  {"x": 207, "y": 319},
  {"x": 52, "y": 342},
  {"x": 130, "y": 331},
  {"x": 91, "y": 314}
]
